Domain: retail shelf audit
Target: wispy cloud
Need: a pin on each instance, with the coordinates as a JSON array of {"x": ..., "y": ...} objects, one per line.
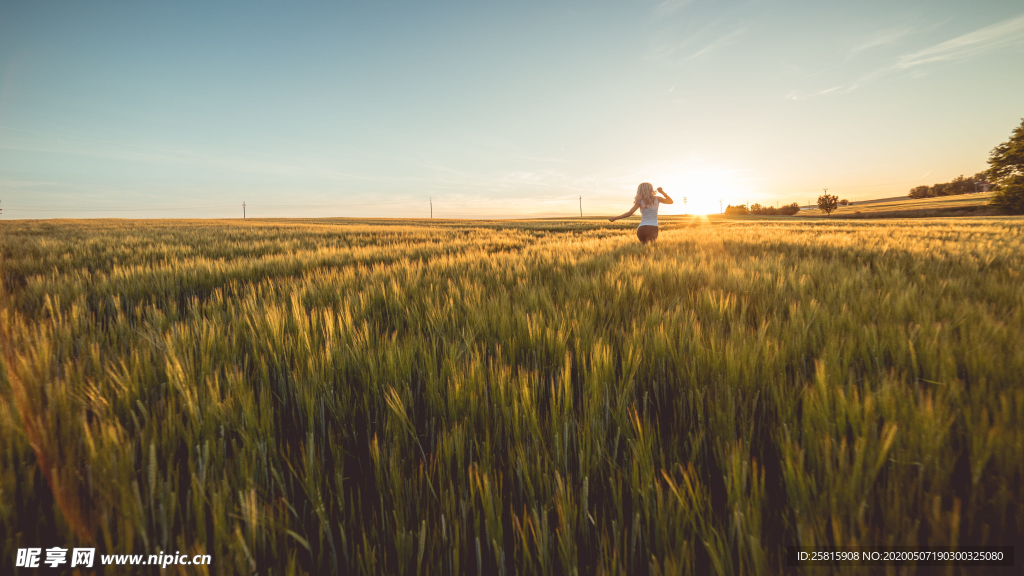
[
  {"x": 794, "y": 95},
  {"x": 881, "y": 39},
  {"x": 968, "y": 46},
  {"x": 682, "y": 42},
  {"x": 669, "y": 6},
  {"x": 717, "y": 44},
  {"x": 965, "y": 47}
]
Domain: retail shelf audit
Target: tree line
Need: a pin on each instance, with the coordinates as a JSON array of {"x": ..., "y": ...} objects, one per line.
[
  {"x": 759, "y": 210},
  {"x": 959, "y": 185},
  {"x": 1005, "y": 176}
]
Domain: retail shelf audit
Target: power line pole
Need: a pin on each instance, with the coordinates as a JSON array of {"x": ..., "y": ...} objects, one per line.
[
  {"x": 431, "y": 207},
  {"x": 720, "y": 210},
  {"x": 243, "y": 210},
  {"x": 581, "y": 206},
  {"x": 684, "y": 205}
]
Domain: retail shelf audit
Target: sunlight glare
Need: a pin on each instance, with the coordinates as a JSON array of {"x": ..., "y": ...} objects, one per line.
[{"x": 707, "y": 190}]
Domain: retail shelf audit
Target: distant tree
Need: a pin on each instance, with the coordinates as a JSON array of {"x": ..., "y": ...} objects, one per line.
[
  {"x": 1007, "y": 159},
  {"x": 844, "y": 202},
  {"x": 758, "y": 209},
  {"x": 958, "y": 185},
  {"x": 1010, "y": 195},
  {"x": 790, "y": 209},
  {"x": 920, "y": 192},
  {"x": 763, "y": 210},
  {"x": 828, "y": 203},
  {"x": 1006, "y": 169}
]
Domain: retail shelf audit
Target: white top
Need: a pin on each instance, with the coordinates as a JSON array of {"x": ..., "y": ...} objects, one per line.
[{"x": 649, "y": 215}]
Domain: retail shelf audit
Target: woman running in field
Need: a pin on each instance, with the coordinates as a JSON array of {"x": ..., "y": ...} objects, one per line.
[{"x": 647, "y": 201}]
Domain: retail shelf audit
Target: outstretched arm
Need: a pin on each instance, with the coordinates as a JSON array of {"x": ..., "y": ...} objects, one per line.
[
  {"x": 667, "y": 199},
  {"x": 625, "y": 214}
]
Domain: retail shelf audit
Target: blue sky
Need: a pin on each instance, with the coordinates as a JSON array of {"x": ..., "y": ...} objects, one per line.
[{"x": 493, "y": 109}]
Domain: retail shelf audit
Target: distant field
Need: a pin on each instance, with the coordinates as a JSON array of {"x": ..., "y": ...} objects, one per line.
[
  {"x": 533, "y": 397},
  {"x": 908, "y": 203}
]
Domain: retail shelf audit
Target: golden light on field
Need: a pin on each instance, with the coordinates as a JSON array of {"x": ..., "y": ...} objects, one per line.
[{"x": 298, "y": 353}]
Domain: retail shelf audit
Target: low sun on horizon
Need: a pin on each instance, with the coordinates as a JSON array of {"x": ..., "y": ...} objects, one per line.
[
  {"x": 703, "y": 191},
  {"x": 699, "y": 206}
]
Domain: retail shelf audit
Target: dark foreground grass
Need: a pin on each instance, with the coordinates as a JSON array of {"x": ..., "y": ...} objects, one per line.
[{"x": 534, "y": 398}]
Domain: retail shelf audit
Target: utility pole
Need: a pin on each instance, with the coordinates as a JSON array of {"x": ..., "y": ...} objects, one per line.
[
  {"x": 581, "y": 206},
  {"x": 431, "y": 207},
  {"x": 684, "y": 205},
  {"x": 243, "y": 210},
  {"x": 720, "y": 211}
]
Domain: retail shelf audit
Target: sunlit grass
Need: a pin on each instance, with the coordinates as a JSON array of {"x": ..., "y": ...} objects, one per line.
[
  {"x": 958, "y": 201},
  {"x": 542, "y": 397}
]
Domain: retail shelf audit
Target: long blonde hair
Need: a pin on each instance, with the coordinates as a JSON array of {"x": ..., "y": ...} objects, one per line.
[{"x": 645, "y": 195}]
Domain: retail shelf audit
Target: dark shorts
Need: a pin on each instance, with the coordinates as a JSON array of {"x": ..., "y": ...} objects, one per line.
[{"x": 647, "y": 233}]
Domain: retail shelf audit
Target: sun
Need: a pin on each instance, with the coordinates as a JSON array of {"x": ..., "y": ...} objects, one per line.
[
  {"x": 699, "y": 205},
  {"x": 705, "y": 190}
]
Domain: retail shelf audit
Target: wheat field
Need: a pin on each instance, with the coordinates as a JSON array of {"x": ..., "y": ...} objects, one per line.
[
  {"x": 978, "y": 200},
  {"x": 502, "y": 397}
]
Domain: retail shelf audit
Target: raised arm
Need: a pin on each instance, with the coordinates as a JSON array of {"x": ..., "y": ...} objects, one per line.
[
  {"x": 625, "y": 214},
  {"x": 667, "y": 199}
]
